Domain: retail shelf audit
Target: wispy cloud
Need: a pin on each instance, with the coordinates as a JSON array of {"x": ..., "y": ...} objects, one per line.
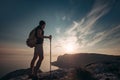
[
  {"x": 58, "y": 29},
  {"x": 100, "y": 36},
  {"x": 79, "y": 32},
  {"x": 83, "y": 28},
  {"x": 63, "y": 18}
]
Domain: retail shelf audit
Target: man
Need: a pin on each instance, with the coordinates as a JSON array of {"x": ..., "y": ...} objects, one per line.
[{"x": 38, "y": 50}]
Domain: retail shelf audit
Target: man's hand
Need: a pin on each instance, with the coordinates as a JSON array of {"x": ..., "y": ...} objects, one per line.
[{"x": 50, "y": 36}]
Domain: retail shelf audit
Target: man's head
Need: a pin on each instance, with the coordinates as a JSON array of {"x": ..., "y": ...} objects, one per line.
[{"x": 42, "y": 24}]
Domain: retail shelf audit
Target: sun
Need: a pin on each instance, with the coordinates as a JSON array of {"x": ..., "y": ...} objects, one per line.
[{"x": 69, "y": 48}]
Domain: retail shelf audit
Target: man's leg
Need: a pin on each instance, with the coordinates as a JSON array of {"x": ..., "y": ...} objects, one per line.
[
  {"x": 33, "y": 62},
  {"x": 40, "y": 54}
]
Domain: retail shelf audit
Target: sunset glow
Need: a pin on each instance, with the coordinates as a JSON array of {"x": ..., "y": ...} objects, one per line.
[
  {"x": 75, "y": 25},
  {"x": 69, "y": 48}
]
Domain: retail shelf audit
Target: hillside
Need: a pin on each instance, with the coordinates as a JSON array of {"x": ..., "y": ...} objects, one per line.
[{"x": 82, "y": 59}]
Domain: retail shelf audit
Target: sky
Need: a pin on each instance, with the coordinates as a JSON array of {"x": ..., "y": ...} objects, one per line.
[{"x": 76, "y": 26}]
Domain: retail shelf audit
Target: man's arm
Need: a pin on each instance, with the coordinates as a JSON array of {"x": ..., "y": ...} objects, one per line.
[
  {"x": 46, "y": 36},
  {"x": 50, "y": 36},
  {"x": 41, "y": 36}
]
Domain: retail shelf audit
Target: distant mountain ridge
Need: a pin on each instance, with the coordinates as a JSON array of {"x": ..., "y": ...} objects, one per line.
[{"x": 82, "y": 59}]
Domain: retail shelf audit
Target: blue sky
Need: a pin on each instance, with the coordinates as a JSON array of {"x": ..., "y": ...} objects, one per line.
[{"x": 76, "y": 25}]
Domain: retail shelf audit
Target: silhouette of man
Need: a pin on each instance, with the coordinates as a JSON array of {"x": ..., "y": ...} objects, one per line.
[{"x": 38, "y": 50}]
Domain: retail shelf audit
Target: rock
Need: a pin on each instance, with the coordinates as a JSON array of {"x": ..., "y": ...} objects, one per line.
[
  {"x": 82, "y": 59},
  {"x": 23, "y": 74},
  {"x": 105, "y": 69}
]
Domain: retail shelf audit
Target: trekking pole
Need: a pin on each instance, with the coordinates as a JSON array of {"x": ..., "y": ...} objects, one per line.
[{"x": 50, "y": 58}]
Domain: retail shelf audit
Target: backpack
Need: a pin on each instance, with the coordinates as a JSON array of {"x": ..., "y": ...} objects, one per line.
[{"x": 31, "y": 40}]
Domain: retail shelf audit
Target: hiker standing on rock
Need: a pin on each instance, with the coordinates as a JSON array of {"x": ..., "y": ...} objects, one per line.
[{"x": 38, "y": 50}]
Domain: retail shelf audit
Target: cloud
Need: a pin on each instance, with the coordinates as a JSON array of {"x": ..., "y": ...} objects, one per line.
[
  {"x": 58, "y": 30},
  {"x": 83, "y": 29},
  {"x": 73, "y": 27},
  {"x": 82, "y": 33},
  {"x": 100, "y": 36},
  {"x": 63, "y": 18}
]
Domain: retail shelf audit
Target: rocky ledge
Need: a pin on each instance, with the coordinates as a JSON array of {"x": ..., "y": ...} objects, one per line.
[{"x": 105, "y": 69}]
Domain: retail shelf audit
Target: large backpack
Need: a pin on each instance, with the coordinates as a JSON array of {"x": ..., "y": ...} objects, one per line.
[{"x": 31, "y": 40}]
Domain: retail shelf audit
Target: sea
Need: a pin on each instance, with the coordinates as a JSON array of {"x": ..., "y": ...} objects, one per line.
[{"x": 12, "y": 62}]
